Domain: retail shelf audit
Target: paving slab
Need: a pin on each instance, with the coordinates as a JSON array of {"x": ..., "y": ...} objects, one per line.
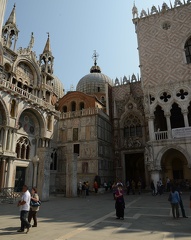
[{"x": 147, "y": 217}]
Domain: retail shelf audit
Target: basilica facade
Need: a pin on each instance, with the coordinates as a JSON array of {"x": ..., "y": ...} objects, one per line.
[{"x": 136, "y": 127}]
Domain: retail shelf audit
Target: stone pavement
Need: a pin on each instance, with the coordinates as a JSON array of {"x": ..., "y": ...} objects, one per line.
[{"x": 93, "y": 218}]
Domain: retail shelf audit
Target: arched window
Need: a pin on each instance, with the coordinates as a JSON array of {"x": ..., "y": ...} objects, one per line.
[
  {"x": 187, "y": 48},
  {"x": 176, "y": 118},
  {"x": 73, "y": 106},
  {"x": 23, "y": 148},
  {"x": 81, "y": 105},
  {"x": 132, "y": 127},
  {"x": 65, "y": 109},
  {"x": 160, "y": 120}
]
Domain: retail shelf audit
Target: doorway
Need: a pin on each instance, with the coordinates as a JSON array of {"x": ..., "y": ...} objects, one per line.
[
  {"x": 20, "y": 178},
  {"x": 135, "y": 168}
]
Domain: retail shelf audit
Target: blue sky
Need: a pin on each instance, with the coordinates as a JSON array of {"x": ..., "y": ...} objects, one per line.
[{"x": 77, "y": 28}]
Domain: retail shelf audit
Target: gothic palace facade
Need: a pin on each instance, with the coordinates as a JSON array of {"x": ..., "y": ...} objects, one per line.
[{"x": 129, "y": 128}]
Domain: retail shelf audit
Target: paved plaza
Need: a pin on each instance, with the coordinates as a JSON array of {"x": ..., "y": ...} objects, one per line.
[{"x": 93, "y": 218}]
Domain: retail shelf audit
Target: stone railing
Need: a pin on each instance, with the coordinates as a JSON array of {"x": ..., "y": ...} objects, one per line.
[
  {"x": 162, "y": 135},
  {"x": 7, "y": 86},
  {"x": 83, "y": 112}
]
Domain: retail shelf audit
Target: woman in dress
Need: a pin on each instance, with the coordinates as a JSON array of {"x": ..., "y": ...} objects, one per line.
[
  {"x": 119, "y": 202},
  {"x": 33, "y": 209}
]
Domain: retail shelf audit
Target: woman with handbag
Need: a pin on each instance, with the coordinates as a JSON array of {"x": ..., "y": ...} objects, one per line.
[
  {"x": 119, "y": 202},
  {"x": 34, "y": 207}
]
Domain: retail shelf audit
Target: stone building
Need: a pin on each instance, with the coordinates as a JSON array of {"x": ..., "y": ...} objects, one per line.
[
  {"x": 164, "y": 40},
  {"x": 28, "y": 95},
  {"x": 130, "y": 128}
]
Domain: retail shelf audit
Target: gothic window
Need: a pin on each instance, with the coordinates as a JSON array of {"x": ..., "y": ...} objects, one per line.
[
  {"x": 176, "y": 118},
  {"x": 23, "y": 148},
  {"x": 160, "y": 120},
  {"x": 189, "y": 114},
  {"x": 187, "y": 48},
  {"x": 73, "y": 106},
  {"x": 132, "y": 127}
]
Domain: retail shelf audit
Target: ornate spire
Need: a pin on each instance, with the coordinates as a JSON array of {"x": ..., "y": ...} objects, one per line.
[
  {"x": 12, "y": 17},
  {"x": 47, "y": 46},
  {"x": 10, "y": 31},
  {"x": 46, "y": 58},
  {"x": 31, "y": 43}
]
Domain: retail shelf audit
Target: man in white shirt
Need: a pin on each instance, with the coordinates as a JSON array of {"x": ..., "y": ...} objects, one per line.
[{"x": 24, "y": 205}]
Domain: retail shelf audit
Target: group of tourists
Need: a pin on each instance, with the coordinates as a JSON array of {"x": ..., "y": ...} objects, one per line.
[{"x": 29, "y": 206}]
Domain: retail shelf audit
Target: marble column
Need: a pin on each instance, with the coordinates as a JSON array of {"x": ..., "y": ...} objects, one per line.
[
  {"x": 168, "y": 125},
  {"x": 2, "y": 173},
  {"x": 9, "y": 177},
  {"x": 71, "y": 175},
  {"x": 185, "y": 114},
  {"x": 35, "y": 161},
  {"x": 151, "y": 128},
  {"x": 5, "y": 139}
]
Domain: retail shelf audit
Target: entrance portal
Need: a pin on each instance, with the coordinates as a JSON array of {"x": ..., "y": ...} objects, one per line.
[
  {"x": 19, "y": 178},
  {"x": 134, "y": 167}
]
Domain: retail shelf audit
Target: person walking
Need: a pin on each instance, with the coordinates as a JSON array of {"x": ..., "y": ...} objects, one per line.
[
  {"x": 24, "y": 205},
  {"x": 174, "y": 199},
  {"x": 119, "y": 202},
  {"x": 33, "y": 209}
]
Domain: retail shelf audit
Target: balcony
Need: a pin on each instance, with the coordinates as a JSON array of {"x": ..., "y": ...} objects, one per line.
[
  {"x": 174, "y": 134},
  {"x": 19, "y": 92}
]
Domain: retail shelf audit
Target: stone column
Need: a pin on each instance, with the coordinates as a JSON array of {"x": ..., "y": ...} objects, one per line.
[
  {"x": 5, "y": 140},
  {"x": 71, "y": 175},
  {"x": 168, "y": 125},
  {"x": 13, "y": 140},
  {"x": 185, "y": 114},
  {"x": 2, "y": 173},
  {"x": 9, "y": 177},
  {"x": 35, "y": 161},
  {"x": 151, "y": 128}
]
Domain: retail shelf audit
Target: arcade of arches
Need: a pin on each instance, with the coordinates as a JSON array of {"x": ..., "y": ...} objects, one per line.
[{"x": 175, "y": 165}]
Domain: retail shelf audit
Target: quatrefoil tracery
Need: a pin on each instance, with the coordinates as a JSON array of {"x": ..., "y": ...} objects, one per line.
[
  {"x": 182, "y": 94},
  {"x": 165, "y": 96}
]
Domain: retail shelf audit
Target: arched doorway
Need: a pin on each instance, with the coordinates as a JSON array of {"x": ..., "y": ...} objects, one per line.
[{"x": 174, "y": 165}]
